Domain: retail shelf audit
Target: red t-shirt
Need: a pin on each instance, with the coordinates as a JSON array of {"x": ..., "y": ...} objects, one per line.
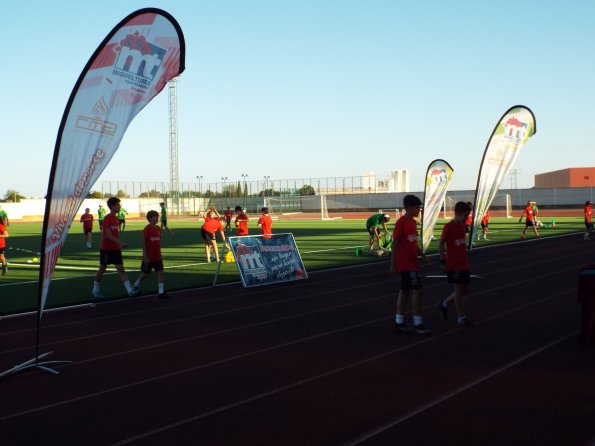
[
  {"x": 266, "y": 224},
  {"x": 406, "y": 249},
  {"x": 152, "y": 236},
  {"x": 486, "y": 218},
  {"x": 454, "y": 236},
  {"x": 469, "y": 220},
  {"x": 228, "y": 213},
  {"x": 87, "y": 221},
  {"x": 529, "y": 212},
  {"x": 242, "y": 219},
  {"x": 2, "y": 240},
  {"x": 212, "y": 226},
  {"x": 112, "y": 223},
  {"x": 588, "y": 215}
]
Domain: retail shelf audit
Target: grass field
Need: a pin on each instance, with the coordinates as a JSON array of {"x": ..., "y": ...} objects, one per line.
[{"x": 322, "y": 245}]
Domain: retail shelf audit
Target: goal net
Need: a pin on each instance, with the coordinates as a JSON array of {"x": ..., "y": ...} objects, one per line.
[
  {"x": 502, "y": 204},
  {"x": 292, "y": 204}
]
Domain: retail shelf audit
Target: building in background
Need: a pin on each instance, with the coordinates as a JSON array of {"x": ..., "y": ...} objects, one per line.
[
  {"x": 571, "y": 177},
  {"x": 399, "y": 181}
]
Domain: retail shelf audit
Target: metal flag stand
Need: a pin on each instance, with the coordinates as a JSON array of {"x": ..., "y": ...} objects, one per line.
[
  {"x": 34, "y": 364},
  {"x": 221, "y": 259}
]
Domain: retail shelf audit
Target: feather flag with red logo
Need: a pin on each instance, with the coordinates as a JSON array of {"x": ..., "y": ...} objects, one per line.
[
  {"x": 511, "y": 133},
  {"x": 130, "y": 67},
  {"x": 438, "y": 178}
]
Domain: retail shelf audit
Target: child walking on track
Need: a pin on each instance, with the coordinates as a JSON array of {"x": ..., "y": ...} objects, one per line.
[
  {"x": 3, "y": 236},
  {"x": 530, "y": 221},
  {"x": 152, "y": 259},
  {"x": 404, "y": 261},
  {"x": 87, "y": 221},
  {"x": 454, "y": 261},
  {"x": 110, "y": 249}
]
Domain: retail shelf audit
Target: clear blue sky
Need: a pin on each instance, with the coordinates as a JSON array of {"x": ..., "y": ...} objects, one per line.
[{"x": 315, "y": 88}]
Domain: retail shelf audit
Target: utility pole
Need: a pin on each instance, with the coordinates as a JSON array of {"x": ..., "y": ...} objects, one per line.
[{"x": 174, "y": 180}]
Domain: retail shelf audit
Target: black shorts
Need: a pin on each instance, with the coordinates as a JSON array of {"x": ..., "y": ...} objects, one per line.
[
  {"x": 484, "y": 225},
  {"x": 529, "y": 223},
  {"x": 410, "y": 280},
  {"x": 588, "y": 225},
  {"x": 146, "y": 268},
  {"x": 459, "y": 276},
  {"x": 371, "y": 231},
  {"x": 100, "y": 224},
  {"x": 110, "y": 257},
  {"x": 467, "y": 229},
  {"x": 87, "y": 231},
  {"x": 1, "y": 250},
  {"x": 207, "y": 236},
  {"x": 122, "y": 220},
  {"x": 164, "y": 222}
]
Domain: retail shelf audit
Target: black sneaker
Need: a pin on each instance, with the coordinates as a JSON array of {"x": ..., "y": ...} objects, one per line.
[
  {"x": 465, "y": 323},
  {"x": 443, "y": 310},
  {"x": 4, "y": 268},
  {"x": 403, "y": 328},
  {"x": 421, "y": 329},
  {"x": 163, "y": 296}
]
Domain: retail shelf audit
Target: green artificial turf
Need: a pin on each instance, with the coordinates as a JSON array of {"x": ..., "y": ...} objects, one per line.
[{"x": 322, "y": 245}]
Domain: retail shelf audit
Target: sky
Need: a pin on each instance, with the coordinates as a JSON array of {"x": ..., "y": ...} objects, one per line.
[{"x": 314, "y": 88}]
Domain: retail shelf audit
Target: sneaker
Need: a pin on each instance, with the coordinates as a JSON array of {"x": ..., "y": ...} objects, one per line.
[
  {"x": 163, "y": 296},
  {"x": 403, "y": 328},
  {"x": 134, "y": 292},
  {"x": 4, "y": 269},
  {"x": 465, "y": 323},
  {"x": 97, "y": 294},
  {"x": 443, "y": 310},
  {"x": 421, "y": 329}
]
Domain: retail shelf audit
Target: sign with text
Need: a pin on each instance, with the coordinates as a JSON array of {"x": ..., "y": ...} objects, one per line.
[{"x": 264, "y": 260}]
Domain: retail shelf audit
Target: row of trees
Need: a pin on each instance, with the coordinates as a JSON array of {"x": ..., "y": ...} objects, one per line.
[{"x": 232, "y": 191}]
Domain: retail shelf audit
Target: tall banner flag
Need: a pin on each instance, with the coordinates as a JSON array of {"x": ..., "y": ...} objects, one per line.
[
  {"x": 438, "y": 178},
  {"x": 513, "y": 130},
  {"x": 130, "y": 67}
]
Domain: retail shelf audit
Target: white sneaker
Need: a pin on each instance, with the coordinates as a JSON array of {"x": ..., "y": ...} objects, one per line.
[{"x": 97, "y": 294}]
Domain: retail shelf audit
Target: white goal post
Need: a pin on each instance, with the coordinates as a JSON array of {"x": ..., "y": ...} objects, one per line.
[
  {"x": 502, "y": 202},
  {"x": 295, "y": 204}
]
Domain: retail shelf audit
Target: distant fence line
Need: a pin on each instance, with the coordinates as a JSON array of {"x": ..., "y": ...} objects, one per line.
[{"x": 364, "y": 201}]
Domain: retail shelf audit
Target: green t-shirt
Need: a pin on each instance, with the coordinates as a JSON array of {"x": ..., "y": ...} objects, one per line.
[
  {"x": 122, "y": 214},
  {"x": 3, "y": 214},
  {"x": 375, "y": 220},
  {"x": 101, "y": 213},
  {"x": 163, "y": 214}
]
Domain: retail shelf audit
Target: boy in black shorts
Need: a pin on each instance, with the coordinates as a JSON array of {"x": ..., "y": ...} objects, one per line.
[{"x": 454, "y": 261}]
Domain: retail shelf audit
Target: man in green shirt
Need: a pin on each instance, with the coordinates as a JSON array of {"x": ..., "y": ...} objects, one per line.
[
  {"x": 163, "y": 219},
  {"x": 4, "y": 216},
  {"x": 100, "y": 216},
  {"x": 372, "y": 226},
  {"x": 122, "y": 218}
]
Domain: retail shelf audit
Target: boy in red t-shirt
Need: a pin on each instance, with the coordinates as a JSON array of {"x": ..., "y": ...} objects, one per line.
[
  {"x": 530, "y": 221},
  {"x": 227, "y": 214},
  {"x": 152, "y": 259},
  {"x": 485, "y": 223},
  {"x": 110, "y": 249},
  {"x": 588, "y": 220},
  {"x": 3, "y": 236},
  {"x": 208, "y": 232},
  {"x": 87, "y": 221},
  {"x": 265, "y": 223},
  {"x": 454, "y": 261},
  {"x": 241, "y": 221},
  {"x": 404, "y": 261}
]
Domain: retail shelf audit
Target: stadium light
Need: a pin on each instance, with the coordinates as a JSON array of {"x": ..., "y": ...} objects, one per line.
[
  {"x": 224, "y": 180},
  {"x": 244, "y": 176},
  {"x": 199, "y": 177},
  {"x": 266, "y": 184}
]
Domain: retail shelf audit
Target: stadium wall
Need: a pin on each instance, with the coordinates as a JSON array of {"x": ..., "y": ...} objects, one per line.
[{"x": 575, "y": 197}]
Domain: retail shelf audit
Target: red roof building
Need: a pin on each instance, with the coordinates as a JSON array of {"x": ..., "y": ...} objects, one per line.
[{"x": 571, "y": 177}]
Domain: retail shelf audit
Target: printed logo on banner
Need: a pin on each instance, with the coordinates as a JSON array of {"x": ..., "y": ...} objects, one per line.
[
  {"x": 251, "y": 261},
  {"x": 138, "y": 61},
  {"x": 439, "y": 175},
  {"x": 515, "y": 129},
  {"x": 95, "y": 123}
]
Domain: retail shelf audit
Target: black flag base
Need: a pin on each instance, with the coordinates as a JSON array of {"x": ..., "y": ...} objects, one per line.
[{"x": 34, "y": 364}]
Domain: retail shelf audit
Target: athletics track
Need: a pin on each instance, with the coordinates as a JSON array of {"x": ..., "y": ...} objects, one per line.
[{"x": 317, "y": 362}]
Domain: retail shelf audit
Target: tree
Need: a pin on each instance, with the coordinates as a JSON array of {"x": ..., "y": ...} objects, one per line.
[
  {"x": 122, "y": 194},
  {"x": 306, "y": 189},
  {"x": 151, "y": 194},
  {"x": 13, "y": 195},
  {"x": 94, "y": 194}
]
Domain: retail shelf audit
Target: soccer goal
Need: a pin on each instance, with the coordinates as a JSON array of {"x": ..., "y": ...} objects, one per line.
[
  {"x": 293, "y": 204},
  {"x": 502, "y": 204}
]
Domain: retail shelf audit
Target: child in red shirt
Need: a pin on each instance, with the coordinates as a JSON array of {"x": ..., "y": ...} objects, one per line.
[
  {"x": 110, "y": 249},
  {"x": 208, "y": 232},
  {"x": 530, "y": 221},
  {"x": 152, "y": 259},
  {"x": 3, "y": 236},
  {"x": 241, "y": 221},
  {"x": 454, "y": 261},
  {"x": 87, "y": 221},
  {"x": 588, "y": 220},
  {"x": 404, "y": 261},
  {"x": 265, "y": 223}
]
